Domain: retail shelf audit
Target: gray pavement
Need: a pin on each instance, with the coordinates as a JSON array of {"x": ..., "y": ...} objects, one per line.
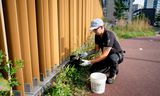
[{"x": 139, "y": 73}]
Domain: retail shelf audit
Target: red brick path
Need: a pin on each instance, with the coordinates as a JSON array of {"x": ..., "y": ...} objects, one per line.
[{"x": 140, "y": 72}]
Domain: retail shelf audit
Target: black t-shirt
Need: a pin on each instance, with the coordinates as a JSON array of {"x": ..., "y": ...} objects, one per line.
[{"x": 108, "y": 40}]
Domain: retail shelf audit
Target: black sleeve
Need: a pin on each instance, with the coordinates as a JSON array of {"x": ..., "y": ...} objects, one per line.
[
  {"x": 110, "y": 39},
  {"x": 96, "y": 39}
]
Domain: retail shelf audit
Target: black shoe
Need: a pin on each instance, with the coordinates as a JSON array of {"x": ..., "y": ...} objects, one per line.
[{"x": 110, "y": 80}]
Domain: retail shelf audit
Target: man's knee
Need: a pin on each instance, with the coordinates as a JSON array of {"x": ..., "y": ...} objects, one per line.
[{"x": 114, "y": 59}]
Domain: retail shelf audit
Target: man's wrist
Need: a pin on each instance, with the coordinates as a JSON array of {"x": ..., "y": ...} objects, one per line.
[{"x": 91, "y": 61}]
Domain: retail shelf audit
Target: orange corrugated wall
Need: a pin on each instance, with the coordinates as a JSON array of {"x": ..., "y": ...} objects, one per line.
[{"x": 43, "y": 32}]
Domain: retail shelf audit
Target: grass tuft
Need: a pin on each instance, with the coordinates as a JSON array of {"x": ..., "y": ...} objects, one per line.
[{"x": 137, "y": 28}]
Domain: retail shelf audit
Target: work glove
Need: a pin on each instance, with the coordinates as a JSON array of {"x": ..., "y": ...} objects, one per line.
[
  {"x": 85, "y": 63},
  {"x": 82, "y": 55}
]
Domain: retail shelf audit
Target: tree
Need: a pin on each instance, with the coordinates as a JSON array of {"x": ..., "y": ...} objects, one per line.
[
  {"x": 157, "y": 18},
  {"x": 119, "y": 9}
]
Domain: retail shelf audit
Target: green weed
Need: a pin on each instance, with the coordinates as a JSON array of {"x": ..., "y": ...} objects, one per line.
[
  {"x": 8, "y": 68},
  {"x": 70, "y": 82}
]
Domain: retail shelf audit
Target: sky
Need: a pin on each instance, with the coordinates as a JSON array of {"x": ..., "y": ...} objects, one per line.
[{"x": 139, "y": 2}]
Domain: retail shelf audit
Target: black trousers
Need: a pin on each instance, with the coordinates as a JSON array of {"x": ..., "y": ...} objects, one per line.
[{"x": 109, "y": 64}]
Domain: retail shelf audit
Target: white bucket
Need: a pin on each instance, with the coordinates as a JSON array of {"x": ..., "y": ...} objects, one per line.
[{"x": 98, "y": 82}]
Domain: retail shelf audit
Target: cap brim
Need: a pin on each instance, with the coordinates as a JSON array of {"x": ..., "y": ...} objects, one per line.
[{"x": 92, "y": 28}]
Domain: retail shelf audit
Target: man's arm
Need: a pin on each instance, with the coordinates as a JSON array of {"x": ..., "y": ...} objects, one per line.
[{"x": 104, "y": 54}]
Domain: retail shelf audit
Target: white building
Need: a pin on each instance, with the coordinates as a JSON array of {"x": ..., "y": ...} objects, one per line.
[
  {"x": 158, "y": 7},
  {"x": 137, "y": 6},
  {"x": 148, "y": 3},
  {"x": 152, "y": 4}
]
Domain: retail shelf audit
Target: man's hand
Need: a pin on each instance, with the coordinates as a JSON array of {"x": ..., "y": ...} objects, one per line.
[
  {"x": 85, "y": 63},
  {"x": 82, "y": 55}
]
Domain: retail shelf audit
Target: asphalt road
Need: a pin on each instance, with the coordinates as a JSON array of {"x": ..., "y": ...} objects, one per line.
[{"x": 140, "y": 72}]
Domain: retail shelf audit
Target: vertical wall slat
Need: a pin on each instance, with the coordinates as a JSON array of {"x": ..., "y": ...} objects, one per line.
[
  {"x": 79, "y": 18},
  {"x": 33, "y": 38},
  {"x": 87, "y": 18},
  {"x": 47, "y": 35},
  {"x": 25, "y": 41},
  {"x": 53, "y": 25},
  {"x": 3, "y": 38},
  {"x": 73, "y": 35},
  {"x": 91, "y": 8},
  {"x": 66, "y": 27},
  {"x": 2, "y": 46},
  {"x": 61, "y": 29},
  {"x": 13, "y": 37},
  {"x": 41, "y": 39},
  {"x": 97, "y": 10},
  {"x": 83, "y": 21}
]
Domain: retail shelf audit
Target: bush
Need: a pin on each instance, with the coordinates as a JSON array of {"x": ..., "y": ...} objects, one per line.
[
  {"x": 8, "y": 70},
  {"x": 69, "y": 82},
  {"x": 136, "y": 28}
]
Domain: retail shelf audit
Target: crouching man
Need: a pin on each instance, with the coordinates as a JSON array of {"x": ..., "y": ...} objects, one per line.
[{"x": 111, "y": 55}]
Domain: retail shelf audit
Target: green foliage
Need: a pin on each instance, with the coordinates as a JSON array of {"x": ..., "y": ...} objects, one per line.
[
  {"x": 69, "y": 82},
  {"x": 8, "y": 67},
  {"x": 4, "y": 85},
  {"x": 139, "y": 17},
  {"x": 72, "y": 81},
  {"x": 119, "y": 9},
  {"x": 157, "y": 18},
  {"x": 127, "y": 35},
  {"x": 139, "y": 27},
  {"x": 105, "y": 19}
]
